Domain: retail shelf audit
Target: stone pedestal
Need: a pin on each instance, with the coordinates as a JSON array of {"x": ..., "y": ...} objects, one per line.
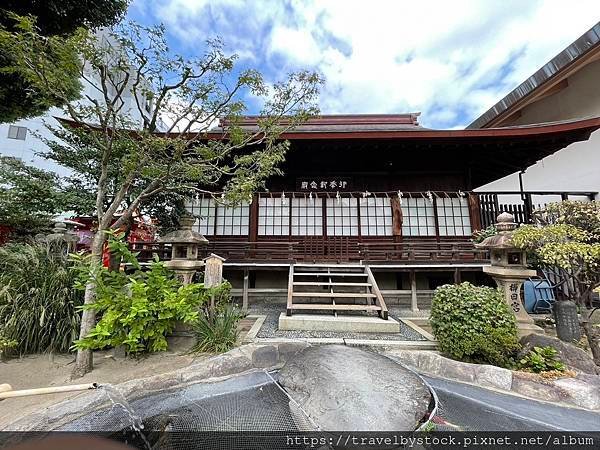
[
  {"x": 184, "y": 269},
  {"x": 510, "y": 281}
]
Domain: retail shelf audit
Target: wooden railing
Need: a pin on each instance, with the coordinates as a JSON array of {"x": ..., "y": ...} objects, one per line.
[
  {"x": 433, "y": 252},
  {"x": 493, "y": 203},
  {"x": 338, "y": 250}
]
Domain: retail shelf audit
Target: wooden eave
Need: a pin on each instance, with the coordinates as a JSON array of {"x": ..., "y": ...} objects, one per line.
[
  {"x": 551, "y": 78},
  {"x": 533, "y": 131}
]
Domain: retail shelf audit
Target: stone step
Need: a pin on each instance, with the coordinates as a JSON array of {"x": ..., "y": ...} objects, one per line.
[
  {"x": 336, "y": 307},
  {"x": 325, "y": 274},
  {"x": 339, "y": 323},
  {"x": 329, "y": 283}
]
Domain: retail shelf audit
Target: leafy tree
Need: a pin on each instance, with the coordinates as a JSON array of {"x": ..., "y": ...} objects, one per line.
[
  {"x": 566, "y": 240},
  {"x": 55, "y": 20},
  {"x": 128, "y": 169},
  {"x": 29, "y": 196},
  {"x": 63, "y": 17}
]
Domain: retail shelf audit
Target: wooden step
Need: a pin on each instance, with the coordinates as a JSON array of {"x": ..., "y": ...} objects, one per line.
[
  {"x": 328, "y": 283},
  {"x": 333, "y": 294},
  {"x": 325, "y": 274},
  {"x": 337, "y": 307}
]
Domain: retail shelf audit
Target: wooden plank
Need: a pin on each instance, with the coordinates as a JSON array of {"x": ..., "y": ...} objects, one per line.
[
  {"x": 290, "y": 290},
  {"x": 313, "y": 274},
  {"x": 240, "y": 292},
  {"x": 336, "y": 307},
  {"x": 379, "y": 297},
  {"x": 327, "y": 283},
  {"x": 333, "y": 294}
]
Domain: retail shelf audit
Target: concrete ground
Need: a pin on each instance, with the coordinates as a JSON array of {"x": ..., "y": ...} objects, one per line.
[
  {"x": 471, "y": 408},
  {"x": 35, "y": 371}
]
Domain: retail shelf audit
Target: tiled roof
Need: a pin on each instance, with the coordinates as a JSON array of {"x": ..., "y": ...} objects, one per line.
[
  {"x": 343, "y": 123},
  {"x": 587, "y": 42}
]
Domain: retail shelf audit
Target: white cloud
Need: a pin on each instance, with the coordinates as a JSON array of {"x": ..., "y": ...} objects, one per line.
[{"x": 450, "y": 60}]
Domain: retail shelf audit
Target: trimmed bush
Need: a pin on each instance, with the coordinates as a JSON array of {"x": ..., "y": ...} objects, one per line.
[{"x": 474, "y": 324}]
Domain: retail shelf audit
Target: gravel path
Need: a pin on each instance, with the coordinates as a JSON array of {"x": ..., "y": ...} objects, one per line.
[{"x": 270, "y": 327}]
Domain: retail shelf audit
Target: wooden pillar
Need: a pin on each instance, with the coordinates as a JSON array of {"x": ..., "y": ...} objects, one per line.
[
  {"x": 474, "y": 211},
  {"x": 413, "y": 291},
  {"x": 456, "y": 276},
  {"x": 436, "y": 219},
  {"x": 253, "y": 219},
  {"x": 245, "y": 290},
  {"x": 396, "y": 216}
]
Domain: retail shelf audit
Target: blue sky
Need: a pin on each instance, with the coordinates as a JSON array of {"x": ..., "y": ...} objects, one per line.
[{"x": 449, "y": 60}]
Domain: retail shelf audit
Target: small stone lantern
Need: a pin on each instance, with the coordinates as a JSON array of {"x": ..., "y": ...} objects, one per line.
[
  {"x": 184, "y": 253},
  {"x": 60, "y": 239},
  {"x": 509, "y": 270}
]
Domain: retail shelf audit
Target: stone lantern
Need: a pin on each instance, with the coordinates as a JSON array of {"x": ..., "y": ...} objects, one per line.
[
  {"x": 61, "y": 240},
  {"x": 184, "y": 253},
  {"x": 509, "y": 269}
]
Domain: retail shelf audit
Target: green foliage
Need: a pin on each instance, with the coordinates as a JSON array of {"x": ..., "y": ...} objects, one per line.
[
  {"x": 479, "y": 235},
  {"x": 566, "y": 237},
  {"x": 582, "y": 215},
  {"x": 29, "y": 196},
  {"x": 55, "y": 56},
  {"x": 216, "y": 330},
  {"x": 138, "y": 309},
  {"x": 474, "y": 324},
  {"x": 541, "y": 359},
  {"x": 37, "y": 301},
  {"x": 48, "y": 30},
  {"x": 132, "y": 171},
  {"x": 63, "y": 17},
  {"x": 6, "y": 346}
]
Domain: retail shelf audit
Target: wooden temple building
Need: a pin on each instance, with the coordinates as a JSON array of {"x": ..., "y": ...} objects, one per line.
[{"x": 375, "y": 209}]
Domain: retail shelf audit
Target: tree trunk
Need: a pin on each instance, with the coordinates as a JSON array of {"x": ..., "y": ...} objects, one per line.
[
  {"x": 84, "y": 360},
  {"x": 592, "y": 332}
]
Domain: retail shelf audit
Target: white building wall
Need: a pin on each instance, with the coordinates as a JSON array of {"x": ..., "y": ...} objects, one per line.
[{"x": 576, "y": 167}]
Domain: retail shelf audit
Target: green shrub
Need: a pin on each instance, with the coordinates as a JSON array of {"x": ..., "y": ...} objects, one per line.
[
  {"x": 6, "y": 346},
  {"x": 474, "y": 324},
  {"x": 479, "y": 235},
  {"x": 541, "y": 359},
  {"x": 137, "y": 309},
  {"x": 38, "y": 305},
  {"x": 216, "y": 331}
]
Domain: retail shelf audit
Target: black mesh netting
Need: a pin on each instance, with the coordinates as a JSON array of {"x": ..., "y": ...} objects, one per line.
[{"x": 252, "y": 402}]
